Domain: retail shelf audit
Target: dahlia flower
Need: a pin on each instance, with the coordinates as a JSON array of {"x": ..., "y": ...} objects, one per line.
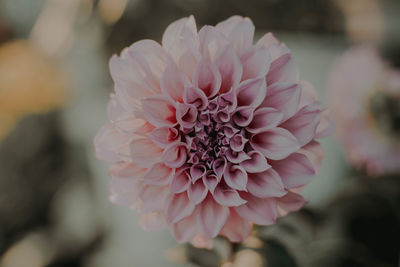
[
  {"x": 364, "y": 96},
  {"x": 208, "y": 133}
]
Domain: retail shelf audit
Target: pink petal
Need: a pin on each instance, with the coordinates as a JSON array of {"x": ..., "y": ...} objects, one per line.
[
  {"x": 211, "y": 41},
  {"x": 284, "y": 97},
  {"x": 326, "y": 126},
  {"x": 313, "y": 151},
  {"x": 150, "y": 203},
  {"x": 173, "y": 83},
  {"x": 295, "y": 171},
  {"x": 230, "y": 68},
  {"x": 256, "y": 163},
  {"x": 304, "y": 123},
  {"x": 207, "y": 78},
  {"x": 200, "y": 241},
  {"x": 197, "y": 172},
  {"x": 154, "y": 221},
  {"x": 178, "y": 208},
  {"x": 164, "y": 136},
  {"x": 264, "y": 119},
  {"x": 236, "y": 157},
  {"x": 308, "y": 94},
  {"x": 267, "y": 41},
  {"x": 282, "y": 69},
  {"x": 236, "y": 177},
  {"x": 251, "y": 92},
  {"x": 256, "y": 63},
  {"x": 266, "y": 184},
  {"x": 210, "y": 181},
  {"x": 159, "y": 174},
  {"x": 228, "y": 100},
  {"x": 109, "y": 142},
  {"x": 219, "y": 166},
  {"x": 230, "y": 131},
  {"x": 197, "y": 192},
  {"x": 196, "y": 97},
  {"x": 184, "y": 230},
  {"x": 236, "y": 228},
  {"x": 186, "y": 114},
  {"x": 159, "y": 111},
  {"x": 126, "y": 170},
  {"x": 237, "y": 142},
  {"x": 290, "y": 202},
  {"x": 275, "y": 144},
  {"x": 243, "y": 115},
  {"x": 227, "y": 197},
  {"x": 145, "y": 152},
  {"x": 180, "y": 182},
  {"x": 211, "y": 217},
  {"x": 239, "y": 31},
  {"x": 175, "y": 155},
  {"x": 261, "y": 211}
]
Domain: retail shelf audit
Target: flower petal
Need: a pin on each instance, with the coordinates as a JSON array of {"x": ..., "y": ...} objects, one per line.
[
  {"x": 304, "y": 123},
  {"x": 261, "y": 211},
  {"x": 284, "y": 97},
  {"x": 264, "y": 119},
  {"x": 290, "y": 202},
  {"x": 219, "y": 166},
  {"x": 196, "y": 97},
  {"x": 230, "y": 68},
  {"x": 197, "y": 172},
  {"x": 175, "y": 155},
  {"x": 243, "y": 116},
  {"x": 236, "y": 228},
  {"x": 326, "y": 126},
  {"x": 295, "y": 170},
  {"x": 266, "y": 184},
  {"x": 178, "y": 208},
  {"x": 256, "y": 63},
  {"x": 207, "y": 78},
  {"x": 159, "y": 174},
  {"x": 313, "y": 151},
  {"x": 210, "y": 181},
  {"x": 159, "y": 111},
  {"x": 211, "y": 41},
  {"x": 227, "y": 197},
  {"x": 164, "y": 136},
  {"x": 235, "y": 177},
  {"x": 150, "y": 203},
  {"x": 251, "y": 92},
  {"x": 197, "y": 192},
  {"x": 256, "y": 163},
  {"x": 275, "y": 144},
  {"x": 180, "y": 182},
  {"x": 145, "y": 152},
  {"x": 173, "y": 83},
  {"x": 184, "y": 230},
  {"x": 154, "y": 221},
  {"x": 211, "y": 217},
  {"x": 186, "y": 114}
]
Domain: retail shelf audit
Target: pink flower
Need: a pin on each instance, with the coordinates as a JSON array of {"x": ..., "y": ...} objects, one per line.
[
  {"x": 208, "y": 133},
  {"x": 364, "y": 97}
]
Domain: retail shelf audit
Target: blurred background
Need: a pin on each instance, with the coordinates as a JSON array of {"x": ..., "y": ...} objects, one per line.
[{"x": 54, "y": 87}]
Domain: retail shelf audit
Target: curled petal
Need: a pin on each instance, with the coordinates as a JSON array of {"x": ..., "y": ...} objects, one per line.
[
  {"x": 228, "y": 100},
  {"x": 230, "y": 68},
  {"x": 196, "y": 97},
  {"x": 164, "y": 136},
  {"x": 197, "y": 192},
  {"x": 197, "y": 172},
  {"x": 173, "y": 83},
  {"x": 219, "y": 166},
  {"x": 145, "y": 152},
  {"x": 236, "y": 228},
  {"x": 159, "y": 111},
  {"x": 256, "y": 163},
  {"x": 258, "y": 210},
  {"x": 222, "y": 116},
  {"x": 211, "y": 217},
  {"x": 178, "y": 208},
  {"x": 186, "y": 115},
  {"x": 159, "y": 174},
  {"x": 243, "y": 116},
  {"x": 175, "y": 155},
  {"x": 284, "y": 97},
  {"x": 235, "y": 177},
  {"x": 266, "y": 184},
  {"x": 238, "y": 142},
  {"x": 256, "y": 63},
  {"x": 210, "y": 181},
  {"x": 251, "y": 92},
  {"x": 180, "y": 182},
  {"x": 295, "y": 170},
  {"x": 264, "y": 119},
  {"x": 304, "y": 123},
  {"x": 236, "y": 157},
  {"x": 207, "y": 78},
  {"x": 229, "y": 130},
  {"x": 275, "y": 144},
  {"x": 227, "y": 197}
]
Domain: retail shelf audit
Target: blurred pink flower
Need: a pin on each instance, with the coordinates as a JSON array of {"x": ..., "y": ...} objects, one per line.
[
  {"x": 209, "y": 133},
  {"x": 364, "y": 97}
]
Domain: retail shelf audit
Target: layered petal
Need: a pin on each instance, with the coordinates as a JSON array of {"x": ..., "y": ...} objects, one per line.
[{"x": 211, "y": 217}]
